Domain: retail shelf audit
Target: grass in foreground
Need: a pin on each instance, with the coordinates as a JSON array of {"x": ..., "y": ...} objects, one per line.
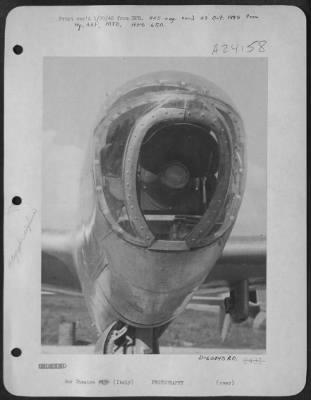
[{"x": 190, "y": 329}]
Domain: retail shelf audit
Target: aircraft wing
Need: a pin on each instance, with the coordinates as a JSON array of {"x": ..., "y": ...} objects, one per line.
[
  {"x": 58, "y": 273},
  {"x": 243, "y": 258}
]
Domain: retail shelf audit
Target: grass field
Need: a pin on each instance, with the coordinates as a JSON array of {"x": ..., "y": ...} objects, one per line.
[{"x": 190, "y": 329}]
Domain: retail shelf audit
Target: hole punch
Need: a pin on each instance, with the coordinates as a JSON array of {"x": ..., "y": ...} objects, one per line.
[
  {"x": 16, "y": 352},
  {"x": 17, "y": 200},
  {"x": 18, "y": 49}
]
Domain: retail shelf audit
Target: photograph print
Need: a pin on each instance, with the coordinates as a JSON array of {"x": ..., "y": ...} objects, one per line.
[{"x": 154, "y": 200}]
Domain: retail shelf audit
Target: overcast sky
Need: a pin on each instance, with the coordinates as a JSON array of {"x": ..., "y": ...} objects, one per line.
[{"x": 75, "y": 90}]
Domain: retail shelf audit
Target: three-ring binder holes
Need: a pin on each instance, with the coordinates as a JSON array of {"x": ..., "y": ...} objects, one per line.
[
  {"x": 16, "y": 352},
  {"x": 18, "y": 49},
  {"x": 17, "y": 200}
]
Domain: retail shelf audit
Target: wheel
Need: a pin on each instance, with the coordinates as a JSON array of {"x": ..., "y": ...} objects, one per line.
[{"x": 120, "y": 338}]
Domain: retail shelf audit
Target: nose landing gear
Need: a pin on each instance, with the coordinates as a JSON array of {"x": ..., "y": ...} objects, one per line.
[{"x": 120, "y": 338}]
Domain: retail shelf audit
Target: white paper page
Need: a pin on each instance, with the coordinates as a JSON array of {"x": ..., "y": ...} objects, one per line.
[{"x": 69, "y": 63}]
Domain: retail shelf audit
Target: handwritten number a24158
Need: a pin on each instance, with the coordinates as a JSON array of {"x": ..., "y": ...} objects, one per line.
[{"x": 257, "y": 46}]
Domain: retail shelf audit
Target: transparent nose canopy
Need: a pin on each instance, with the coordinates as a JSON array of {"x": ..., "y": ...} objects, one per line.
[
  {"x": 169, "y": 162},
  {"x": 177, "y": 177}
]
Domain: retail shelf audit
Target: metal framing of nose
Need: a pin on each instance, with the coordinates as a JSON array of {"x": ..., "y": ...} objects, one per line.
[
  {"x": 208, "y": 116},
  {"x": 199, "y": 103}
]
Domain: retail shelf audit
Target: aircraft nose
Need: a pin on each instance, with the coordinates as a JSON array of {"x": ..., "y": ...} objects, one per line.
[{"x": 170, "y": 162}]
